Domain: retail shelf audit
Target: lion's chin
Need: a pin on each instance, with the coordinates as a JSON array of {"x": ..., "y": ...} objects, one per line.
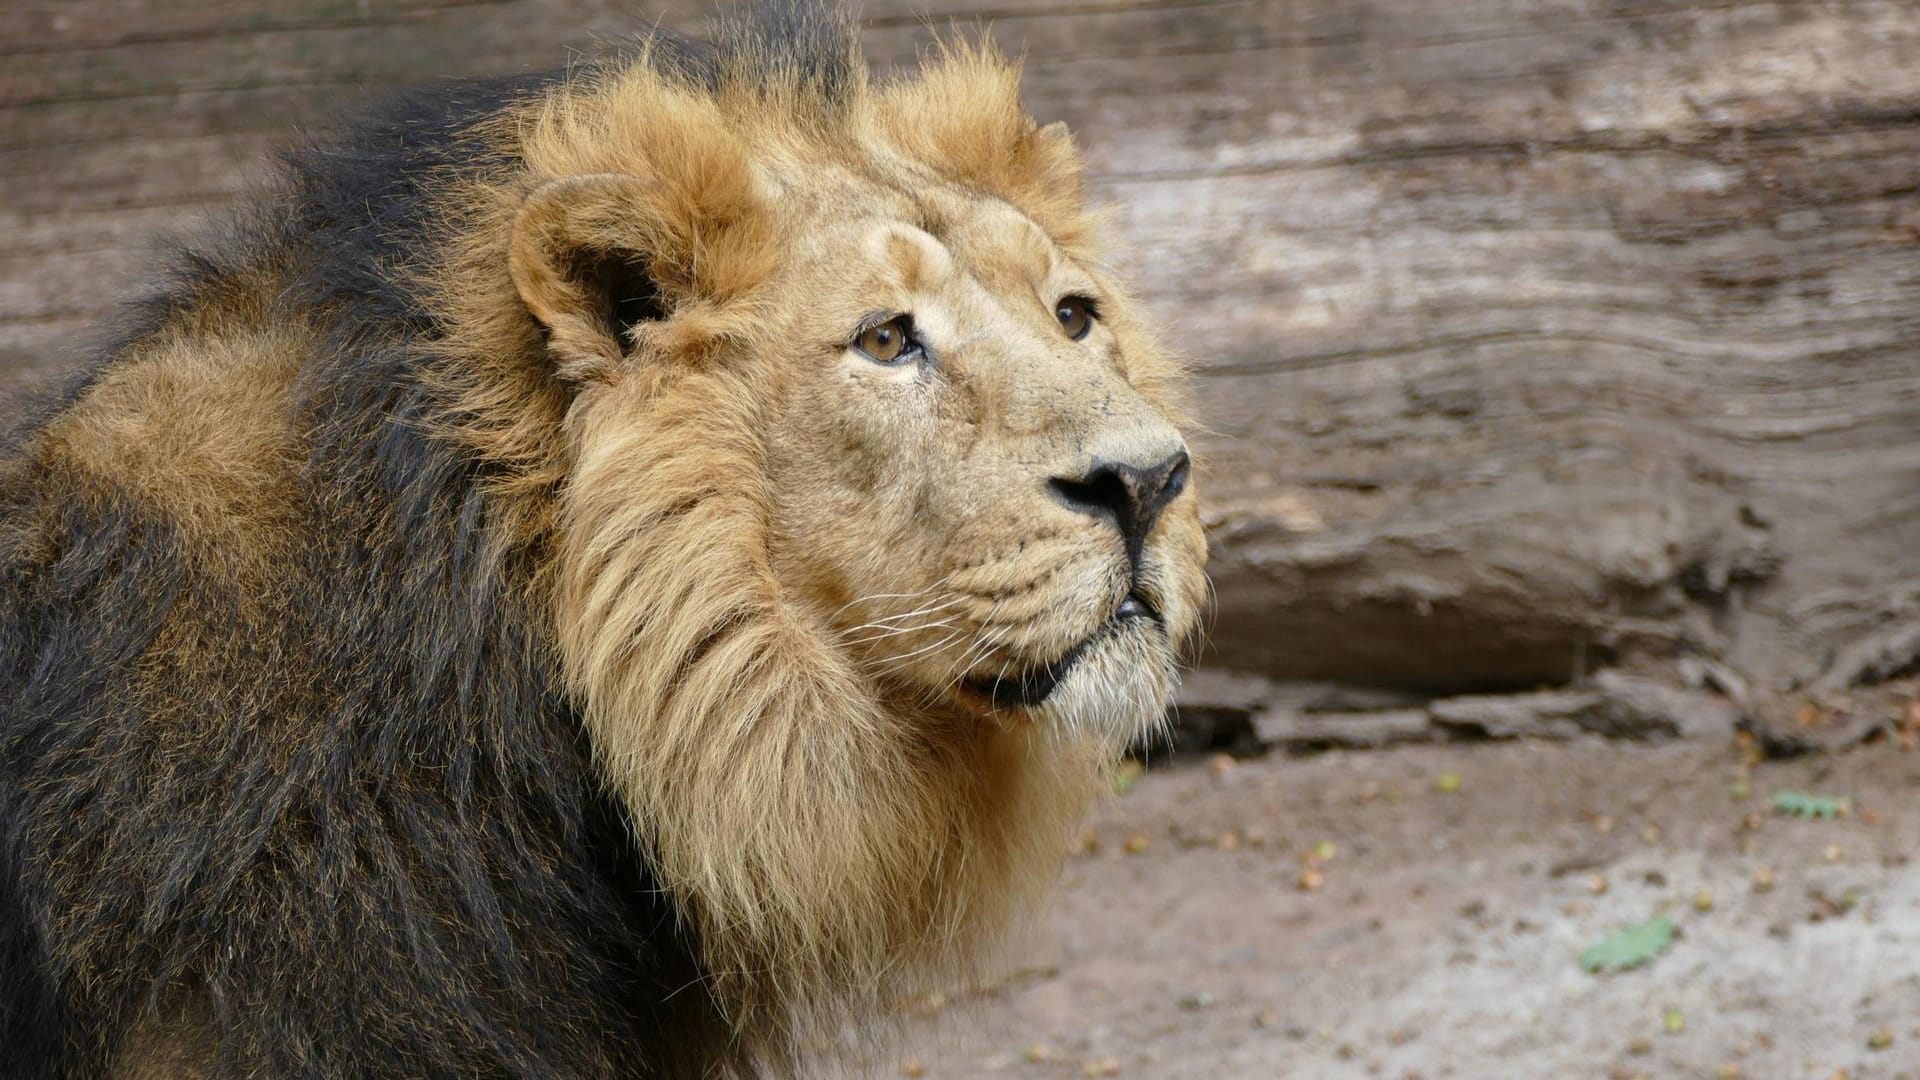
[{"x": 1117, "y": 681}]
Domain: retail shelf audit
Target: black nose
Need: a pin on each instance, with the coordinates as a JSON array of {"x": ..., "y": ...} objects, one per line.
[{"x": 1132, "y": 496}]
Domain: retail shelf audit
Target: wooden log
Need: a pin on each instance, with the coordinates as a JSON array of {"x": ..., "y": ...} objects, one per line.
[{"x": 1534, "y": 339}]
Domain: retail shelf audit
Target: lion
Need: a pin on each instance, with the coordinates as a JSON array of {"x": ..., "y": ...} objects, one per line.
[{"x": 612, "y": 574}]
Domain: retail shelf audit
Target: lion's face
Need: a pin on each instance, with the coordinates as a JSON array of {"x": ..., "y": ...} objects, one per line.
[
  {"x": 972, "y": 479},
  {"x": 979, "y": 488}
]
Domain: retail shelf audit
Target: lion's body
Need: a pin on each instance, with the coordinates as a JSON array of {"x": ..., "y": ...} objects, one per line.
[
  {"x": 280, "y": 737},
  {"x": 375, "y": 702}
]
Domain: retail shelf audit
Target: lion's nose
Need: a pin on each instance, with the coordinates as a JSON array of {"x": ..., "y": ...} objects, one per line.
[{"x": 1132, "y": 495}]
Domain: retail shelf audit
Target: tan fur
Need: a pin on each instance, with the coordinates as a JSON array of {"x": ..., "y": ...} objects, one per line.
[
  {"x": 171, "y": 1042},
  {"x": 199, "y": 427}
]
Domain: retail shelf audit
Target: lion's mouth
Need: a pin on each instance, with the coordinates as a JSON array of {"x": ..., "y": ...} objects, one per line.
[{"x": 1031, "y": 687}]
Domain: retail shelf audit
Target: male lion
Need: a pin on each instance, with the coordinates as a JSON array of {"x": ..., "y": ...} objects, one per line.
[{"x": 600, "y": 576}]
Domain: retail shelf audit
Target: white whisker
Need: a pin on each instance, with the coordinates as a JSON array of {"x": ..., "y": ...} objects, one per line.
[
  {"x": 898, "y": 632},
  {"x": 890, "y": 620},
  {"x": 894, "y": 660}
]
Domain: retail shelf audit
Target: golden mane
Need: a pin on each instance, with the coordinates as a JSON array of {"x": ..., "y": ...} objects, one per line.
[{"x": 829, "y": 846}]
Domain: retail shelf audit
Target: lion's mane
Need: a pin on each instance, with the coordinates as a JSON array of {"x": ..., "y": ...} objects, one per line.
[{"x": 366, "y": 710}]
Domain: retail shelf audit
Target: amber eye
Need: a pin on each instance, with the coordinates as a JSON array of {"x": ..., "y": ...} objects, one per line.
[
  {"x": 1076, "y": 315},
  {"x": 888, "y": 342}
]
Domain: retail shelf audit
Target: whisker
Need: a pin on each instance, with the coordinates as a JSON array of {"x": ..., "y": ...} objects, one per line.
[
  {"x": 897, "y": 631},
  {"x": 889, "y": 620},
  {"x": 870, "y": 597},
  {"x": 894, "y": 660},
  {"x": 982, "y": 647},
  {"x": 966, "y": 658}
]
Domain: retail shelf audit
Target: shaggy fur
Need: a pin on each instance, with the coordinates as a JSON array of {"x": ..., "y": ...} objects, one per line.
[{"x": 482, "y": 617}]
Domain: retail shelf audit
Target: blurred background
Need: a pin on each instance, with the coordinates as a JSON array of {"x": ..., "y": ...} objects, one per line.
[{"x": 1560, "y": 362}]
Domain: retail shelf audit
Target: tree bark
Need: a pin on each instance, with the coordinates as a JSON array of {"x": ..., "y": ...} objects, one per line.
[{"x": 1533, "y": 339}]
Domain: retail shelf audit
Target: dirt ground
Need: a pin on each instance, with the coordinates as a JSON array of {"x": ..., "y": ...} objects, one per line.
[{"x": 1443, "y": 933}]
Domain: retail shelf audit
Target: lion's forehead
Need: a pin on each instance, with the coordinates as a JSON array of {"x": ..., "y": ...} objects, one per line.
[{"x": 892, "y": 218}]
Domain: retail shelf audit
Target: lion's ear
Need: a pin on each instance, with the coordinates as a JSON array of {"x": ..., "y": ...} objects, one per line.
[{"x": 581, "y": 258}]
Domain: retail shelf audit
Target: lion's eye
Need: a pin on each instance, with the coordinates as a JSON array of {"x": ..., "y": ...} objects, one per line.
[
  {"x": 888, "y": 342},
  {"x": 1076, "y": 315}
]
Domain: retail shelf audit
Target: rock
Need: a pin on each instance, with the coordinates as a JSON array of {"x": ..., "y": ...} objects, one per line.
[
  {"x": 1552, "y": 714},
  {"x": 1614, "y": 705},
  {"x": 1633, "y": 707},
  {"x": 1304, "y": 732}
]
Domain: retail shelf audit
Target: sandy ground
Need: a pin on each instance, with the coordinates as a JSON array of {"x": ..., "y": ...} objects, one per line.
[{"x": 1442, "y": 939}]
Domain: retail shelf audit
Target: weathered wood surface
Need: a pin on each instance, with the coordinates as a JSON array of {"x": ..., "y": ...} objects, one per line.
[{"x": 1535, "y": 337}]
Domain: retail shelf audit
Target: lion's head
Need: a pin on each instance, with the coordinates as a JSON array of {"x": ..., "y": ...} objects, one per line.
[{"x": 875, "y": 533}]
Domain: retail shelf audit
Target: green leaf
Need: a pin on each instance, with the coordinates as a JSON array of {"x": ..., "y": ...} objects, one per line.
[
  {"x": 1125, "y": 774},
  {"x": 1629, "y": 947},
  {"x": 1803, "y": 805}
]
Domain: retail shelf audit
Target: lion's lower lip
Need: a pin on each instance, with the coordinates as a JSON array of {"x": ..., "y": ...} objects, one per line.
[{"x": 1033, "y": 686}]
